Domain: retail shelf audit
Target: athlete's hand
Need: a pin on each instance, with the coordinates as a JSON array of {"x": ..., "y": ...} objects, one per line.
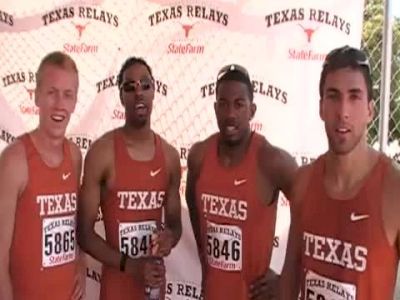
[
  {"x": 80, "y": 283},
  {"x": 265, "y": 287},
  {"x": 162, "y": 242},
  {"x": 154, "y": 272}
]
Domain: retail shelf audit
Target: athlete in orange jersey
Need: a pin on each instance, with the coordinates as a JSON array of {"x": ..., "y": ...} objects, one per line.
[
  {"x": 344, "y": 237},
  {"x": 39, "y": 181},
  {"x": 234, "y": 178},
  {"x": 133, "y": 174}
]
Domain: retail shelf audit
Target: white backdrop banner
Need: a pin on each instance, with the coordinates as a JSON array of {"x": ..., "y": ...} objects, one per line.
[{"x": 281, "y": 43}]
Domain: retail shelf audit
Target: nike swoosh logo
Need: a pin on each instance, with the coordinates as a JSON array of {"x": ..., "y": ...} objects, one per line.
[
  {"x": 237, "y": 182},
  {"x": 355, "y": 218},
  {"x": 66, "y": 175},
  {"x": 154, "y": 173}
]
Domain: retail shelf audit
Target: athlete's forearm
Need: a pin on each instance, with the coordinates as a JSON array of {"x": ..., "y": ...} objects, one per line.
[
  {"x": 175, "y": 227},
  {"x": 81, "y": 261},
  {"x": 6, "y": 292},
  {"x": 289, "y": 283}
]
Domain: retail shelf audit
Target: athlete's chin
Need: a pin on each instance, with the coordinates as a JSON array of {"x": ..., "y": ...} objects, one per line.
[
  {"x": 56, "y": 133},
  {"x": 231, "y": 141},
  {"x": 139, "y": 122},
  {"x": 341, "y": 149}
]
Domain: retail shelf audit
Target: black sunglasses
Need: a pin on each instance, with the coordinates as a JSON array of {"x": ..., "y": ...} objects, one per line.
[
  {"x": 232, "y": 68},
  {"x": 347, "y": 53},
  {"x": 131, "y": 86}
]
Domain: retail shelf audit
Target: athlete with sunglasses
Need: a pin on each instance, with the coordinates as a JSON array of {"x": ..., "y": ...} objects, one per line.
[
  {"x": 344, "y": 236},
  {"x": 233, "y": 181},
  {"x": 134, "y": 175}
]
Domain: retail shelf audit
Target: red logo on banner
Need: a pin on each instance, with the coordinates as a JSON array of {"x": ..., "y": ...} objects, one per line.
[
  {"x": 187, "y": 45},
  {"x": 187, "y": 28},
  {"x": 80, "y": 28},
  {"x": 256, "y": 126},
  {"x": 30, "y": 92},
  {"x": 82, "y": 47},
  {"x": 309, "y": 32},
  {"x": 28, "y": 107}
]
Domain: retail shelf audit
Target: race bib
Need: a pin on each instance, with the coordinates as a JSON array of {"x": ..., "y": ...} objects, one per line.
[
  {"x": 224, "y": 247},
  {"x": 135, "y": 238},
  {"x": 318, "y": 287},
  {"x": 58, "y": 241}
]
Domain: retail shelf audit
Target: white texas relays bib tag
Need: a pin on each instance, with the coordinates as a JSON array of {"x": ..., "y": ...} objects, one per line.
[
  {"x": 135, "y": 238},
  {"x": 58, "y": 241},
  {"x": 323, "y": 288},
  {"x": 224, "y": 246}
]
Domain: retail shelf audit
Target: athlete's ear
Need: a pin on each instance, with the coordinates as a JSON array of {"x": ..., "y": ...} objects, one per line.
[
  {"x": 120, "y": 98},
  {"x": 321, "y": 113},
  {"x": 371, "y": 110},
  {"x": 253, "y": 109},
  {"x": 36, "y": 97}
]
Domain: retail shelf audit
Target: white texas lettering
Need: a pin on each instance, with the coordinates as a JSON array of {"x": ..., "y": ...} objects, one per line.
[
  {"x": 140, "y": 200},
  {"x": 334, "y": 251},
  {"x": 56, "y": 204},
  {"x": 225, "y": 207}
]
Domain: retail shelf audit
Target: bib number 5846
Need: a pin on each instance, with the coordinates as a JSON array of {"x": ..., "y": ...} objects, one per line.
[{"x": 230, "y": 250}]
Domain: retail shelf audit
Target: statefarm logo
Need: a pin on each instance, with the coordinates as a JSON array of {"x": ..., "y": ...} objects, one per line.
[
  {"x": 81, "y": 18},
  {"x": 160, "y": 87},
  {"x": 262, "y": 91},
  {"x": 188, "y": 19},
  {"x": 26, "y": 80},
  {"x": 307, "y": 22}
]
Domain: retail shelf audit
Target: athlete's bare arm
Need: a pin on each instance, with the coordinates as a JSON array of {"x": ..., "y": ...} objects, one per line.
[
  {"x": 194, "y": 162},
  {"x": 170, "y": 237},
  {"x": 278, "y": 166},
  {"x": 277, "y": 170},
  {"x": 391, "y": 206},
  {"x": 98, "y": 165},
  {"x": 13, "y": 179},
  {"x": 290, "y": 277},
  {"x": 80, "y": 278}
]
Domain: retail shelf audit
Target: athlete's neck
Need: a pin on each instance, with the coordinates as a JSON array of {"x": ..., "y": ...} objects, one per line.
[
  {"x": 46, "y": 142},
  {"x": 135, "y": 133},
  {"x": 230, "y": 155},
  {"x": 347, "y": 170}
]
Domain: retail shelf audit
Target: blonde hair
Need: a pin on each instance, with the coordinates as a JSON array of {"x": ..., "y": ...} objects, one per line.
[{"x": 56, "y": 58}]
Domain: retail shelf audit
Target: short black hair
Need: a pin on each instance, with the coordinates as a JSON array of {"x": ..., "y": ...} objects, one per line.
[
  {"x": 237, "y": 73},
  {"x": 344, "y": 57},
  {"x": 133, "y": 60}
]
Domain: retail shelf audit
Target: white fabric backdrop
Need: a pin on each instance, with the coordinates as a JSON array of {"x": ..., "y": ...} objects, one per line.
[{"x": 282, "y": 43}]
